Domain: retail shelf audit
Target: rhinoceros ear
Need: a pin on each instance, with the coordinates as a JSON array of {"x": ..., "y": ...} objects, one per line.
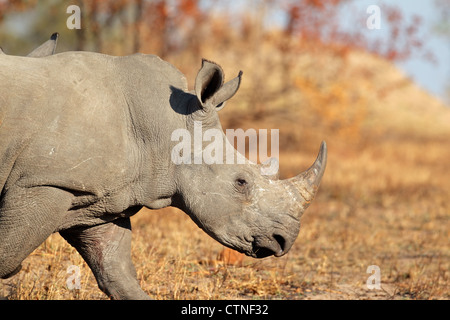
[
  {"x": 46, "y": 49},
  {"x": 209, "y": 86},
  {"x": 208, "y": 81}
]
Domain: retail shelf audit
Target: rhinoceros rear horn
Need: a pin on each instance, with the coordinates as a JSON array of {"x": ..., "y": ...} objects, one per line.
[
  {"x": 307, "y": 183},
  {"x": 210, "y": 88}
]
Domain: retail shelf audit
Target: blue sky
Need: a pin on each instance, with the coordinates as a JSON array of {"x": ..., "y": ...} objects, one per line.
[{"x": 433, "y": 77}]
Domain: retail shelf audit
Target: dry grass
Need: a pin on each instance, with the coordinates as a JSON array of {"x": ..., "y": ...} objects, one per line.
[
  {"x": 385, "y": 205},
  {"x": 384, "y": 201}
]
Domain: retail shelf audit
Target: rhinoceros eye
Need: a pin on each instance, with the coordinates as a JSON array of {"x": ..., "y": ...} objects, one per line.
[
  {"x": 242, "y": 185},
  {"x": 241, "y": 182}
]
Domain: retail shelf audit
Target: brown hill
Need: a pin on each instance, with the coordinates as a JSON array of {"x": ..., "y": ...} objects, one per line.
[{"x": 383, "y": 200}]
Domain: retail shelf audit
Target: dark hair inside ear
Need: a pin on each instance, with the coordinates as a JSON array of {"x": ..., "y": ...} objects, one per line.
[{"x": 212, "y": 85}]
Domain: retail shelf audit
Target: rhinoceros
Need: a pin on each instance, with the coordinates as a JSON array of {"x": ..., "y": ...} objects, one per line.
[{"x": 85, "y": 143}]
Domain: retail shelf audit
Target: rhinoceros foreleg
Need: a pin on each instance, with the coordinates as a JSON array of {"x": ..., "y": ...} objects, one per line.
[
  {"x": 106, "y": 248},
  {"x": 27, "y": 217}
]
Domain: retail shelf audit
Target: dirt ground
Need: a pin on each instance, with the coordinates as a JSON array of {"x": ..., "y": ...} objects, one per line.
[
  {"x": 383, "y": 201},
  {"x": 385, "y": 205}
]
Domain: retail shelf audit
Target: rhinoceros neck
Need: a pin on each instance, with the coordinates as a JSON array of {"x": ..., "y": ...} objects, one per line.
[{"x": 149, "y": 84}]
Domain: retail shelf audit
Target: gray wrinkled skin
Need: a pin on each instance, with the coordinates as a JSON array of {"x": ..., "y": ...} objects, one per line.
[{"x": 85, "y": 142}]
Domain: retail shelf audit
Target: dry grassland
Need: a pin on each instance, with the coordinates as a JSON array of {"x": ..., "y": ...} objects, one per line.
[{"x": 384, "y": 201}]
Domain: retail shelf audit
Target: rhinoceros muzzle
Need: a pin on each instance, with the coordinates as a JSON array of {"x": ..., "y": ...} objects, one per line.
[{"x": 297, "y": 194}]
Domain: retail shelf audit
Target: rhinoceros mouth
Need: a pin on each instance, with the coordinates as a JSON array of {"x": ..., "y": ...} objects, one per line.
[
  {"x": 263, "y": 247},
  {"x": 263, "y": 253}
]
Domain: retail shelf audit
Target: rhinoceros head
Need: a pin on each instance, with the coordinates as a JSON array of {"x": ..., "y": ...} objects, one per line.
[{"x": 235, "y": 202}]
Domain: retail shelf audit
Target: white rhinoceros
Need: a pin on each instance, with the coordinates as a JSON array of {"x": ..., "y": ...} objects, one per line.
[{"x": 85, "y": 143}]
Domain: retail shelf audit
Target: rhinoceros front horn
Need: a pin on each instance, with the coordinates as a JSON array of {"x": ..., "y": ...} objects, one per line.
[{"x": 307, "y": 183}]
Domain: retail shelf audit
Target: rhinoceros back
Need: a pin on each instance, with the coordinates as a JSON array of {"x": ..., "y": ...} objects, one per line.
[{"x": 64, "y": 118}]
